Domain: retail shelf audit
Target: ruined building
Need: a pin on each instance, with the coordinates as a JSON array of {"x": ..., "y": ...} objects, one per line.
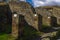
[
  {"x": 26, "y": 10},
  {"x": 50, "y": 15},
  {"x": 36, "y": 17}
]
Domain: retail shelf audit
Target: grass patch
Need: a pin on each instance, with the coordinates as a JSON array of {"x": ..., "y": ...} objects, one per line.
[{"x": 4, "y": 37}]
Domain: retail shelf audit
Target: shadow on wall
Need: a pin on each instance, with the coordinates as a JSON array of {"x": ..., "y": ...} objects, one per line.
[
  {"x": 5, "y": 19},
  {"x": 39, "y": 21},
  {"x": 26, "y": 32}
]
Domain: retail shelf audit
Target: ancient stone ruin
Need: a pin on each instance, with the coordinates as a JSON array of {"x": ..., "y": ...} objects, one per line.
[{"x": 35, "y": 17}]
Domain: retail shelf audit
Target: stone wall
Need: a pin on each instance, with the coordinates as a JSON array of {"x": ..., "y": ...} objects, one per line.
[
  {"x": 56, "y": 13},
  {"x": 47, "y": 12},
  {"x": 27, "y": 11}
]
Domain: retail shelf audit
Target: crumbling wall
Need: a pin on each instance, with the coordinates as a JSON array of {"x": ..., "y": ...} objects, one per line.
[
  {"x": 56, "y": 13},
  {"x": 24, "y": 9}
]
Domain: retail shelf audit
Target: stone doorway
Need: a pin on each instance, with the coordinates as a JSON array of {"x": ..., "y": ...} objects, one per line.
[
  {"x": 53, "y": 21},
  {"x": 39, "y": 22},
  {"x": 21, "y": 25},
  {"x": 24, "y": 28}
]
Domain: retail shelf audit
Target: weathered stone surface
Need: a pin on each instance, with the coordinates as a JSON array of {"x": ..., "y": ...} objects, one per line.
[
  {"x": 25, "y": 9},
  {"x": 45, "y": 15},
  {"x": 58, "y": 21},
  {"x": 48, "y": 11},
  {"x": 46, "y": 21},
  {"x": 15, "y": 21},
  {"x": 45, "y": 39}
]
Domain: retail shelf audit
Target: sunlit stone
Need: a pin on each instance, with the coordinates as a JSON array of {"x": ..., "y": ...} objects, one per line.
[
  {"x": 48, "y": 17},
  {"x": 35, "y": 14},
  {"x": 15, "y": 15}
]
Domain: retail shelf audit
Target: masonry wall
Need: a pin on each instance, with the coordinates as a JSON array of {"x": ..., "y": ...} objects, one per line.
[
  {"x": 27, "y": 11},
  {"x": 46, "y": 21},
  {"x": 56, "y": 13},
  {"x": 43, "y": 13},
  {"x": 15, "y": 22}
]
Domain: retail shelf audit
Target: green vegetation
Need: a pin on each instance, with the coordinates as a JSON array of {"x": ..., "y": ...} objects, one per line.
[
  {"x": 6, "y": 37},
  {"x": 3, "y": 37},
  {"x": 30, "y": 33}
]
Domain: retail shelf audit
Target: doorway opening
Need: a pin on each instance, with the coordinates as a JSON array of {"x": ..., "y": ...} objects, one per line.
[{"x": 53, "y": 21}]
